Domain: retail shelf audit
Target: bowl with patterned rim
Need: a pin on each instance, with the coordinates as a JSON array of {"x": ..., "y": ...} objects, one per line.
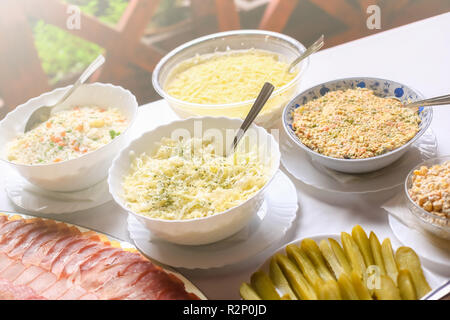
[{"x": 382, "y": 88}]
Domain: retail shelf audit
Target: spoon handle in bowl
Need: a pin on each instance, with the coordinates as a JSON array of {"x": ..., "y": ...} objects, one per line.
[
  {"x": 84, "y": 76},
  {"x": 436, "y": 101},
  {"x": 260, "y": 101},
  {"x": 313, "y": 48}
]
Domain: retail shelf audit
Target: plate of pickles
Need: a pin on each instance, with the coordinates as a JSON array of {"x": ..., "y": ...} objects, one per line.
[{"x": 349, "y": 266}]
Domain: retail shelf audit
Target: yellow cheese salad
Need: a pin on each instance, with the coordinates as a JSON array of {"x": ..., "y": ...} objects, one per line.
[
  {"x": 230, "y": 77},
  {"x": 68, "y": 134},
  {"x": 187, "y": 179}
]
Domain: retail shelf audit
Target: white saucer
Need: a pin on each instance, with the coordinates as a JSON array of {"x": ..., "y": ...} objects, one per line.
[
  {"x": 34, "y": 199},
  {"x": 267, "y": 227},
  {"x": 434, "y": 257},
  {"x": 302, "y": 167}
]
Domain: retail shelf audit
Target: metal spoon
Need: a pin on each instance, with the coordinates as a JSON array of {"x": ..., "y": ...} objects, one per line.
[
  {"x": 436, "y": 101},
  {"x": 313, "y": 48},
  {"x": 43, "y": 113},
  {"x": 260, "y": 101}
]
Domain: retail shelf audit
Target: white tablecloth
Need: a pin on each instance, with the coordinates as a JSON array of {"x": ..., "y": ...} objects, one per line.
[{"x": 417, "y": 54}]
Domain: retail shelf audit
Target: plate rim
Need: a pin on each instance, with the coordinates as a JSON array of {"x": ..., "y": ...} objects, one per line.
[
  {"x": 17, "y": 182},
  {"x": 432, "y": 264},
  {"x": 284, "y": 145}
]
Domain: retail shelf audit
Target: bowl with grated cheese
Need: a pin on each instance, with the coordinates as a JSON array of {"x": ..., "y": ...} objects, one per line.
[
  {"x": 221, "y": 74},
  {"x": 181, "y": 182},
  {"x": 74, "y": 148}
]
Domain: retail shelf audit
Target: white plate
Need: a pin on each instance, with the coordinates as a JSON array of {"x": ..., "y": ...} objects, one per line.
[
  {"x": 435, "y": 258},
  {"x": 300, "y": 165},
  {"x": 34, "y": 199},
  {"x": 269, "y": 226},
  {"x": 432, "y": 280}
]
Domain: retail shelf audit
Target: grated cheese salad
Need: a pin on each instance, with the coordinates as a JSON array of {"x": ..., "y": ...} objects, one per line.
[
  {"x": 186, "y": 179},
  {"x": 230, "y": 77}
]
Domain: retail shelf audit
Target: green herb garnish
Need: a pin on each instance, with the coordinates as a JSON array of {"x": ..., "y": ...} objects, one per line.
[{"x": 113, "y": 134}]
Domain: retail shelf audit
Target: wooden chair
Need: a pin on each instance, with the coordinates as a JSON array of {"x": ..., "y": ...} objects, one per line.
[
  {"x": 22, "y": 76},
  {"x": 393, "y": 13}
]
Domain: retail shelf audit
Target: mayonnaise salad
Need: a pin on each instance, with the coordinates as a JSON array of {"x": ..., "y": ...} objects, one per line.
[{"x": 66, "y": 135}]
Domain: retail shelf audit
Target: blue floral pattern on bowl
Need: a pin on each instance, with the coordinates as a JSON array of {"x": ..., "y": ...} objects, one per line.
[{"x": 381, "y": 87}]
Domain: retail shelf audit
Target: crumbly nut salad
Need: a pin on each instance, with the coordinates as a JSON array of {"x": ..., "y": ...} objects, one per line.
[
  {"x": 68, "y": 134},
  {"x": 431, "y": 189},
  {"x": 354, "y": 124}
]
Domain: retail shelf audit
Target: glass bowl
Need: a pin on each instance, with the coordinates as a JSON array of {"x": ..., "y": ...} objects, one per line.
[
  {"x": 439, "y": 226},
  {"x": 286, "y": 47}
]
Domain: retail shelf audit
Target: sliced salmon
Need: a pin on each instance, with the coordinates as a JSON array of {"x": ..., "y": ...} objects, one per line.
[
  {"x": 118, "y": 288},
  {"x": 74, "y": 293},
  {"x": 8, "y": 226},
  {"x": 88, "y": 296},
  {"x": 43, "y": 243},
  {"x": 15, "y": 236},
  {"x": 28, "y": 275},
  {"x": 43, "y": 259},
  {"x": 84, "y": 254},
  {"x": 55, "y": 250},
  {"x": 70, "y": 250},
  {"x": 31, "y": 236},
  {"x": 9, "y": 291},
  {"x": 13, "y": 271},
  {"x": 42, "y": 282},
  {"x": 57, "y": 289},
  {"x": 5, "y": 261}
]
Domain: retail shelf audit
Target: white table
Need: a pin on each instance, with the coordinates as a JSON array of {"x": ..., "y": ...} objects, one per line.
[{"x": 417, "y": 55}]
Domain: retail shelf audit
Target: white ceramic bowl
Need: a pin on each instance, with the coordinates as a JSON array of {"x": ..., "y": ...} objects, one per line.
[
  {"x": 286, "y": 47},
  {"x": 84, "y": 171},
  {"x": 201, "y": 230},
  {"x": 382, "y": 88}
]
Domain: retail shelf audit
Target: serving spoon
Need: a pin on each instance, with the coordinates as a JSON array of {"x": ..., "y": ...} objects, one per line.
[
  {"x": 436, "y": 101},
  {"x": 260, "y": 101},
  {"x": 43, "y": 113},
  {"x": 311, "y": 49}
]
